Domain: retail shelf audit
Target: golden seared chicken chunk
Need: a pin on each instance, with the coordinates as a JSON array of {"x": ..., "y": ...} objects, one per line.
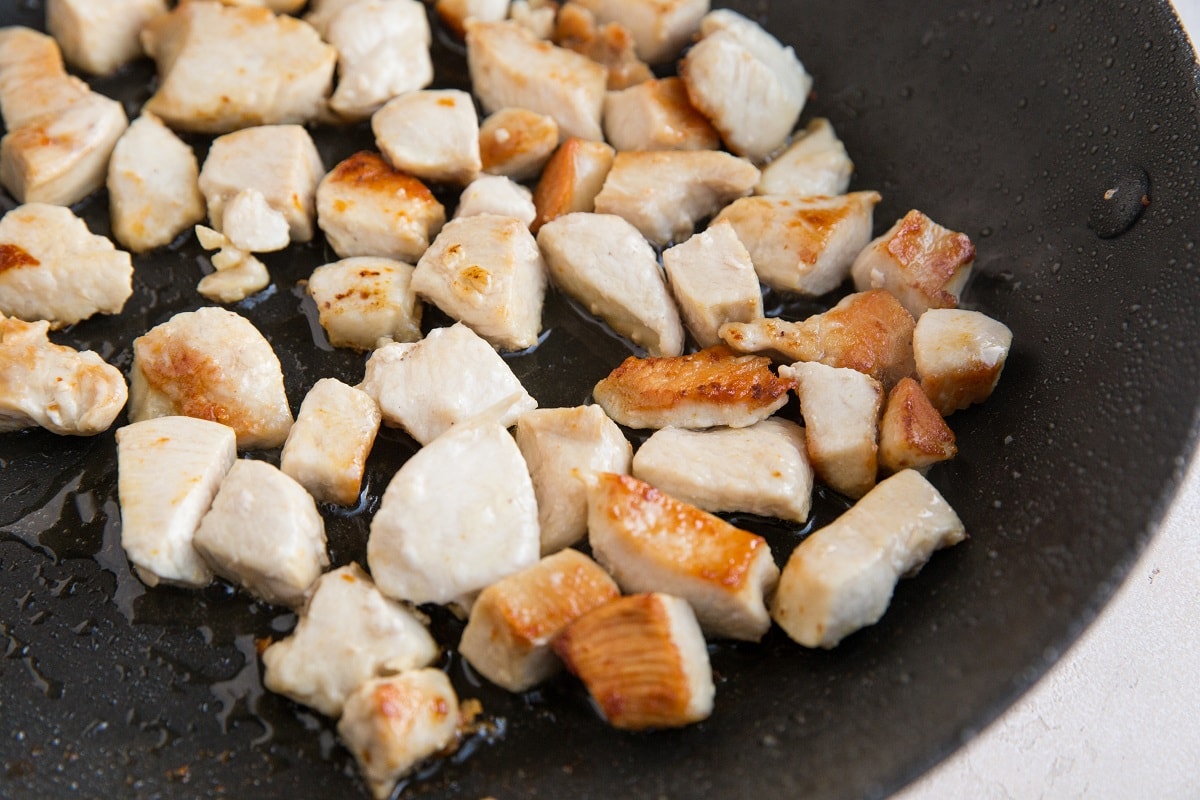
[
  {"x": 223, "y": 67},
  {"x": 327, "y": 448},
  {"x": 841, "y": 409},
  {"x": 660, "y": 29},
  {"x": 510, "y": 67},
  {"x": 366, "y": 207},
  {"x": 363, "y": 301},
  {"x": 515, "y": 620},
  {"x": 236, "y": 273},
  {"x": 960, "y": 355},
  {"x": 841, "y": 577},
  {"x": 610, "y": 44},
  {"x": 604, "y": 263},
  {"x": 803, "y": 244},
  {"x": 656, "y": 115},
  {"x": 455, "y": 13},
  {"x": 496, "y": 194},
  {"x": 643, "y": 660},
  {"x": 168, "y": 472},
  {"x": 100, "y": 37},
  {"x": 761, "y": 469},
  {"x": 665, "y": 193},
  {"x": 432, "y": 134},
  {"x": 702, "y": 390},
  {"x": 560, "y": 445},
  {"x": 211, "y": 364},
  {"x": 383, "y": 52},
  {"x": 53, "y": 268},
  {"x": 815, "y": 162},
  {"x": 61, "y": 389},
  {"x": 713, "y": 281},
  {"x": 912, "y": 434},
  {"x": 919, "y": 261},
  {"x": 457, "y": 517},
  {"x": 486, "y": 271},
  {"x": 517, "y": 143},
  {"x": 348, "y": 633},
  {"x": 650, "y": 541},
  {"x": 450, "y": 377},
  {"x": 573, "y": 177}
]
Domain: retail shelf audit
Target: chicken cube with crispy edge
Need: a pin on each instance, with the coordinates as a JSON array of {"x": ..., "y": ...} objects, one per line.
[
  {"x": 33, "y": 79},
  {"x": 496, "y": 194},
  {"x": 643, "y": 660},
  {"x": 804, "y": 245},
  {"x": 912, "y": 434},
  {"x": 559, "y": 444},
  {"x": 224, "y": 67},
  {"x": 841, "y": 409},
  {"x": 211, "y": 364},
  {"x": 760, "y": 469},
  {"x": 602, "y": 262},
  {"x": 455, "y": 13},
  {"x": 364, "y": 301},
  {"x": 610, "y": 44},
  {"x": 841, "y": 578},
  {"x": 659, "y": 29},
  {"x": 432, "y": 134},
  {"x": 383, "y": 52},
  {"x": 960, "y": 355},
  {"x": 457, "y": 517},
  {"x": 326, "y": 450},
  {"x": 168, "y": 472},
  {"x": 656, "y": 115},
  {"x": 816, "y": 162},
  {"x": 713, "y": 282},
  {"x": 347, "y": 634},
  {"x": 392, "y": 724},
  {"x": 450, "y": 377},
  {"x": 513, "y": 623},
  {"x": 573, "y": 177},
  {"x": 366, "y": 207},
  {"x": 100, "y": 37},
  {"x": 922, "y": 263},
  {"x": 517, "y": 143},
  {"x": 510, "y": 67}
]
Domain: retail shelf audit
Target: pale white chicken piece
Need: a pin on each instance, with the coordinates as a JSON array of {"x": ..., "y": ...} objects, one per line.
[
  {"x": 33, "y": 79},
  {"x": 665, "y": 193},
  {"x": 486, "y": 271},
  {"x": 841, "y": 578},
  {"x": 383, "y": 52},
  {"x": 223, "y": 67},
  {"x": 656, "y": 115},
  {"x": 168, "y": 472},
  {"x": 455, "y": 13},
  {"x": 211, "y": 364},
  {"x": 362, "y": 301},
  {"x": 457, "y": 517},
  {"x": 450, "y": 377},
  {"x": 61, "y": 389},
  {"x": 496, "y": 194},
  {"x": 100, "y": 37},
  {"x": 558, "y": 444},
  {"x": 348, "y": 633},
  {"x": 433, "y": 134},
  {"x": 816, "y": 162},
  {"x": 573, "y": 177},
  {"x": 713, "y": 281},
  {"x": 660, "y": 29},
  {"x": 264, "y": 533},
  {"x": 959, "y": 355},
  {"x": 252, "y": 226},
  {"x": 604, "y": 263},
  {"x": 537, "y": 17},
  {"x": 517, "y": 142},
  {"x": 237, "y": 274},
  {"x": 327, "y": 448},
  {"x": 761, "y": 469},
  {"x": 53, "y": 268}
]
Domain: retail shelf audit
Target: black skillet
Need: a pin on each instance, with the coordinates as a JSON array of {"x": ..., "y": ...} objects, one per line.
[{"x": 1008, "y": 121}]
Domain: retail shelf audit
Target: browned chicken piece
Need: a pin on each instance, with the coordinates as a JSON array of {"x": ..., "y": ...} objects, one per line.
[
  {"x": 960, "y": 355},
  {"x": 912, "y": 434},
  {"x": 702, "y": 390},
  {"x": 610, "y": 44},
  {"x": 660, "y": 29},
  {"x": 713, "y": 282},
  {"x": 656, "y": 115},
  {"x": 572, "y": 179},
  {"x": 363, "y": 302},
  {"x": 455, "y": 13},
  {"x": 919, "y": 261},
  {"x": 100, "y": 37},
  {"x": 643, "y": 660},
  {"x": 517, "y": 143}
]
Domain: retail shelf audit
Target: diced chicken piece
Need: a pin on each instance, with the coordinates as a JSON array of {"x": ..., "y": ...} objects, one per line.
[
  {"x": 605, "y": 264},
  {"x": 168, "y": 472},
  {"x": 486, "y": 271},
  {"x": 348, "y": 633},
  {"x": 660, "y": 29},
  {"x": 152, "y": 186},
  {"x": 53, "y": 268},
  {"x": 432, "y": 134},
  {"x": 321, "y": 13},
  {"x": 326, "y": 450},
  {"x": 457, "y": 517},
  {"x": 804, "y": 245},
  {"x": 362, "y": 301},
  {"x": 222, "y": 68},
  {"x": 573, "y": 177},
  {"x": 912, "y": 434},
  {"x": 702, "y": 390},
  {"x": 392, "y": 724},
  {"x": 450, "y": 377},
  {"x": 559, "y": 444},
  {"x": 455, "y": 13},
  {"x": 515, "y": 620},
  {"x": 517, "y": 143},
  {"x": 761, "y": 469},
  {"x": 383, "y": 52},
  {"x": 713, "y": 281},
  {"x": 496, "y": 194},
  {"x": 237, "y": 274},
  {"x": 33, "y": 79},
  {"x": 665, "y": 193},
  {"x": 368, "y": 208},
  {"x": 644, "y": 661},
  {"x": 100, "y": 37},
  {"x": 211, "y": 364},
  {"x": 816, "y": 162},
  {"x": 510, "y": 67},
  {"x": 61, "y": 389},
  {"x": 841, "y": 409},
  {"x": 538, "y": 17},
  {"x": 959, "y": 355},
  {"x": 841, "y": 577},
  {"x": 252, "y": 226},
  {"x": 656, "y": 115},
  {"x": 611, "y": 45},
  {"x": 919, "y": 261}
]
